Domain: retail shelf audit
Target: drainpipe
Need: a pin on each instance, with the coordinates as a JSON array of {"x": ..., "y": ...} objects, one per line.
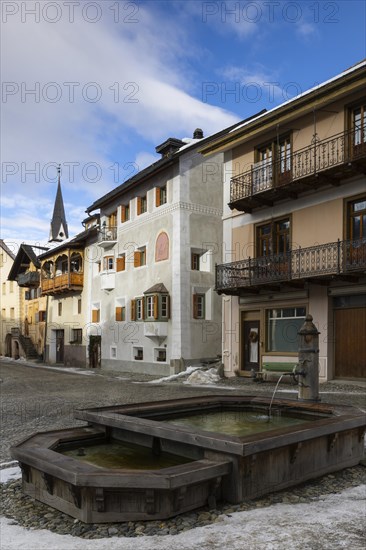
[
  {"x": 45, "y": 331},
  {"x": 308, "y": 367}
]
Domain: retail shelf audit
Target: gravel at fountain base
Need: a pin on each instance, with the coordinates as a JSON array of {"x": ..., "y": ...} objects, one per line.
[{"x": 32, "y": 514}]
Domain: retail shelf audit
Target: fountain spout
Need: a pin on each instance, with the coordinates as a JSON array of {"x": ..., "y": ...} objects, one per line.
[{"x": 308, "y": 374}]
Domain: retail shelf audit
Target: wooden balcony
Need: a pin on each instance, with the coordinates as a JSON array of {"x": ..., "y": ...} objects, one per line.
[
  {"x": 62, "y": 283},
  {"x": 321, "y": 163},
  {"x": 341, "y": 259}
]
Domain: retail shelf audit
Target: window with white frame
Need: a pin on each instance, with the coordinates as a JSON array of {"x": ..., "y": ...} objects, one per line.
[{"x": 283, "y": 325}]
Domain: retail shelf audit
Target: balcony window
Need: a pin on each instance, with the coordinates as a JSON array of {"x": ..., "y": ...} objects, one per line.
[
  {"x": 357, "y": 219},
  {"x": 282, "y": 327},
  {"x": 273, "y": 237},
  {"x": 273, "y": 162},
  {"x": 359, "y": 125}
]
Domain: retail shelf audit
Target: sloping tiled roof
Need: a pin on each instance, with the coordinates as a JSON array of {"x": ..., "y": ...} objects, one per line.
[
  {"x": 27, "y": 254},
  {"x": 159, "y": 288},
  {"x": 159, "y": 165}
]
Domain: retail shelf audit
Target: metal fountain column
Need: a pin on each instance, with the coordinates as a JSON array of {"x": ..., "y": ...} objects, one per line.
[{"x": 308, "y": 370}]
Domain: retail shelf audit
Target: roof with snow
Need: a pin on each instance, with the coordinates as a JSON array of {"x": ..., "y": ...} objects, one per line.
[{"x": 161, "y": 164}]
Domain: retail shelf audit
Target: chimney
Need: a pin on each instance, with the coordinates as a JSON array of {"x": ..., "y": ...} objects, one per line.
[{"x": 198, "y": 133}]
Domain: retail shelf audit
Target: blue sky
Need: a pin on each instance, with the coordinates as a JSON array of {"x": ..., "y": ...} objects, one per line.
[{"x": 96, "y": 85}]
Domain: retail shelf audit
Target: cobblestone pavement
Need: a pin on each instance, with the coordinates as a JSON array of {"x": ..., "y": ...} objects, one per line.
[{"x": 37, "y": 399}]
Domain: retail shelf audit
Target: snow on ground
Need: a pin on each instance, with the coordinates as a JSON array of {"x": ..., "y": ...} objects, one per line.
[
  {"x": 332, "y": 523},
  {"x": 9, "y": 474}
]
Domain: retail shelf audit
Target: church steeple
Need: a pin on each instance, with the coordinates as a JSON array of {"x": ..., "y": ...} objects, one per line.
[{"x": 58, "y": 230}]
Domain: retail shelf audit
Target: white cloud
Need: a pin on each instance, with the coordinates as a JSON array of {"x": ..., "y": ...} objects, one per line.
[
  {"x": 255, "y": 84},
  {"x": 141, "y": 73}
]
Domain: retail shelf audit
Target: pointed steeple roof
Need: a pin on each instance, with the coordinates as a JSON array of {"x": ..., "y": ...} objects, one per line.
[{"x": 58, "y": 230}]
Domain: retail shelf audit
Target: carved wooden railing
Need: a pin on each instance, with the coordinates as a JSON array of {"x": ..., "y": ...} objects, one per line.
[{"x": 62, "y": 282}]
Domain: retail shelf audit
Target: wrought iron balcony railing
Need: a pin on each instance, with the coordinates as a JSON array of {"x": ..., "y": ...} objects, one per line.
[
  {"x": 313, "y": 160},
  {"x": 107, "y": 234},
  {"x": 331, "y": 259}
]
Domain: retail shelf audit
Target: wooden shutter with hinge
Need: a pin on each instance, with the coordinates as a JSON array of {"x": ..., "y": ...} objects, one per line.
[
  {"x": 121, "y": 263},
  {"x": 133, "y": 310},
  {"x": 139, "y": 205},
  {"x": 157, "y": 196}
]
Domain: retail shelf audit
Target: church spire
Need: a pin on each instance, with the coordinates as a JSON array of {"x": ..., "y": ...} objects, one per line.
[{"x": 58, "y": 230}]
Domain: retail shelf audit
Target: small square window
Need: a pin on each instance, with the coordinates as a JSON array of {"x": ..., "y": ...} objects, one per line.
[
  {"x": 138, "y": 354},
  {"x": 76, "y": 336}
]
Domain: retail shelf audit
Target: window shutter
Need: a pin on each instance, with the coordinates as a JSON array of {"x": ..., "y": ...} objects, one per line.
[
  {"x": 121, "y": 264},
  {"x": 195, "y": 306},
  {"x": 156, "y": 309},
  {"x": 133, "y": 310},
  {"x": 118, "y": 313},
  {"x": 157, "y": 196},
  {"x": 168, "y": 306},
  {"x": 139, "y": 205},
  {"x": 137, "y": 259},
  {"x": 123, "y": 213},
  {"x": 143, "y": 308},
  {"x": 95, "y": 315}
]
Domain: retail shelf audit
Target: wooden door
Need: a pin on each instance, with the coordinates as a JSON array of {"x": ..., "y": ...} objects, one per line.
[
  {"x": 350, "y": 342},
  {"x": 95, "y": 351},
  {"x": 250, "y": 346},
  {"x": 60, "y": 340}
]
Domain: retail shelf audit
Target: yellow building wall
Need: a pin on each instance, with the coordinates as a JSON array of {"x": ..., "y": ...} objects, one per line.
[
  {"x": 329, "y": 119},
  {"x": 318, "y": 224}
]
